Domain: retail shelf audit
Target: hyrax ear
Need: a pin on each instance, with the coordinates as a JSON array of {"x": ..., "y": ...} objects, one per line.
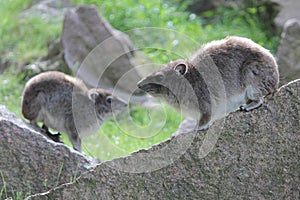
[
  {"x": 181, "y": 68},
  {"x": 92, "y": 94},
  {"x": 109, "y": 99}
]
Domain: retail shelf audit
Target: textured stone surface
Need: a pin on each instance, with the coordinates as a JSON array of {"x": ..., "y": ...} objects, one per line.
[
  {"x": 289, "y": 9},
  {"x": 98, "y": 54},
  {"x": 256, "y": 157},
  {"x": 50, "y": 10},
  {"x": 53, "y": 61},
  {"x": 29, "y": 162},
  {"x": 102, "y": 53},
  {"x": 288, "y": 54}
]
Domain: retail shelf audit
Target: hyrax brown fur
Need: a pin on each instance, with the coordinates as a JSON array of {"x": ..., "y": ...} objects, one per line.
[
  {"x": 248, "y": 72},
  {"x": 65, "y": 104}
]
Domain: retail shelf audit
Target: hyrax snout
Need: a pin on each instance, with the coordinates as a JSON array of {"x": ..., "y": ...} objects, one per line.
[
  {"x": 64, "y": 103},
  {"x": 221, "y": 77}
]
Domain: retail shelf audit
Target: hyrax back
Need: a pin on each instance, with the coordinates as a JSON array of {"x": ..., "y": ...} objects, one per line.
[
  {"x": 248, "y": 72},
  {"x": 65, "y": 104}
]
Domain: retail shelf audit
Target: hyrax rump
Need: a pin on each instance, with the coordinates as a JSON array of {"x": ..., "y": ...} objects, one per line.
[
  {"x": 65, "y": 104},
  {"x": 248, "y": 72}
]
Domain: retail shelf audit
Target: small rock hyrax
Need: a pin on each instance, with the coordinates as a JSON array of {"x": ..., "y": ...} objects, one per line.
[
  {"x": 247, "y": 70},
  {"x": 64, "y": 103}
]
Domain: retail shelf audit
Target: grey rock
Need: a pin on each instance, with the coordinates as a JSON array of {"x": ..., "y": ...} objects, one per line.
[
  {"x": 53, "y": 61},
  {"x": 50, "y": 10},
  {"x": 288, "y": 54},
  {"x": 256, "y": 156},
  {"x": 289, "y": 9},
  {"x": 100, "y": 54},
  {"x": 31, "y": 163}
]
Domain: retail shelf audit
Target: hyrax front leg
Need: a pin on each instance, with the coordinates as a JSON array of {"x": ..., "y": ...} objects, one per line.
[
  {"x": 75, "y": 140},
  {"x": 204, "y": 122},
  {"x": 253, "y": 104},
  {"x": 254, "y": 100}
]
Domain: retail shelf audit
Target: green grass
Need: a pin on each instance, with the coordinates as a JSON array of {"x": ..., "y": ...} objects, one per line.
[
  {"x": 176, "y": 33},
  {"x": 116, "y": 137},
  {"x": 11, "y": 88},
  {"x": 18, "y": 195},
  {"x": 23, "y": 39},
  {"x": 129, "y": 15},
  {"x": 139, "y": 128}
]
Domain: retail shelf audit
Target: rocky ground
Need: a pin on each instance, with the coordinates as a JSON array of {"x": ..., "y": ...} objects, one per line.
[{"x": 249, "y": 155}]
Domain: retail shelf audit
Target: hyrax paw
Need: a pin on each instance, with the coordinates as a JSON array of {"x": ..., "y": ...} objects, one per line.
[
  {"x": 58, "y": 134},
  {"x": 243, "y": 108},
  {"x": 202, "y": 128},
  {"x": 252, "y": 105}
]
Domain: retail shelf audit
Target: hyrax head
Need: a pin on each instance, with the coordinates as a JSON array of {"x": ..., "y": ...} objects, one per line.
[
  {"x": 170, "y": 83},
  {"x": 106, "y": 104}
]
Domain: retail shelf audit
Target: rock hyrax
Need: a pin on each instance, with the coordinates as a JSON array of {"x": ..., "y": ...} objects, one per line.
[
  {"x": 65, "y": 104},
  {"x": 248, "y": 72}
]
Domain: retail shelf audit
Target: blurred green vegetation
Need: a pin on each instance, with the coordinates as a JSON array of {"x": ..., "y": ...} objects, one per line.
[
  {"x": 11, "y": 91},
  {"x": 24, "y": 39},
  {"x": 131, "y": 14},
  {"x": 139, "y": 129}
]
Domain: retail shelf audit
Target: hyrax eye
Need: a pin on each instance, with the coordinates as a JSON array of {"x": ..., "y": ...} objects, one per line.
[
  {"x": 109, "y": 99},
  {"x": 159, "y": 77}
]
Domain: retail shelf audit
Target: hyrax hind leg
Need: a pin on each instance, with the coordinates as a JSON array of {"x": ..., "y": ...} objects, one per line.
[
  {"x": 54, "y": 137},
  {"x": 72, "y": 133},
  {"x": 46, "y": 132},
  {"x": 254, "y": 99}
]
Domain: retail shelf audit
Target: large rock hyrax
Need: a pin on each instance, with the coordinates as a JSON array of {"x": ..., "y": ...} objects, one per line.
[
  {"x": 247, "y": 70},
  {"x": 65, "y": 104}
]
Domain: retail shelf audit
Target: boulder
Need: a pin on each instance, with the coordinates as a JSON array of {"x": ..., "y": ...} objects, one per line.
[
  {"x": 53, "y": 61},
  {"x": 289, "y": 9},
  {"x": 288, "y": 54},
  {"x": 100, "y": 54},
  {"x": 31, "y": 163},
  {"x": 50, "y": 10},
  {"x": 252, "y": 155}
]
